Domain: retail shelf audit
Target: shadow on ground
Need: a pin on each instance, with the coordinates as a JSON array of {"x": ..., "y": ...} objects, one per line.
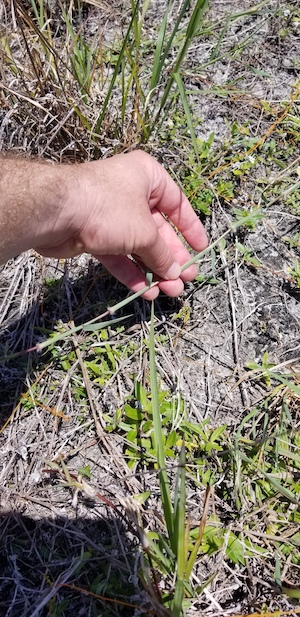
[
  {"x": 63, "y": 295},
  {"x": 51, "y": 535},
  {"x": 42, "y": 561}
]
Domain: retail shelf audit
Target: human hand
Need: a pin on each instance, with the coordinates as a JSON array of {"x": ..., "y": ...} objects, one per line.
[{"x": 117, "y": 207}]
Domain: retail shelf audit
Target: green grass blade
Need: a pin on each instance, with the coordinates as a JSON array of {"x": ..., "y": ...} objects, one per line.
[
  {"x": 179, "y": 534},
  {"x": 244, "y": 421},
  {"x": 293, "y": 456},
  {"x": 164, "y": 557},
  {"x": 195, "y": 20},
  {"x": 252, "y": 11},
  {"x": 187, "y": 112},
  {"x": 125, "y": 90},
  {"x": 83, "y": 119},
  {"x": 179, "y": 514},
  {"x": 159, "y": 446},
  {"x": 275, "y": 483},
  {"x": 156, "y": 70},
  {"x": 116, "y": 307},
  {"x": 139, "y": 23},
  {"x": 286, "y": 382},
  {"x": 291, "y": 592},
  {"x": 215, "y": 51},
  {"x": 38, "y": 14},
  {"x": 113, "y": 309},
  {"x": 234, "y": 225},
  {"x": 178, "y": 598},
  {"x": 183, "y": 9},
  {"x": 190, "y": 33},
  {"x": 237, "y": 458},
  {"x": 86, "y": 327},
  {"x": 194, "y": 552},
  {"x": 116, "y": 71},
  {"x": 103, "y": 324}
]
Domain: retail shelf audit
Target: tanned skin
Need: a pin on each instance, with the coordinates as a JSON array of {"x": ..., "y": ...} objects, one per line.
[{"x": 110, "y": 208}]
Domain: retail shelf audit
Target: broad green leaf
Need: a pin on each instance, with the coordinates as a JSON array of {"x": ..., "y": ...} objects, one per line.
[
  {"x": 133, "y": 414},
  {"x": 141, "y": 395},
  {"x": 235, "y": 550},
  {"x": 171, "y": 439},
  {"x": 218, "y": 432},
  {"x": 131, "y": 435}
]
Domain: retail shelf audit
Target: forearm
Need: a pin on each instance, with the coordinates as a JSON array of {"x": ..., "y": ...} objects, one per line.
[{"x": 31, "y": 196}]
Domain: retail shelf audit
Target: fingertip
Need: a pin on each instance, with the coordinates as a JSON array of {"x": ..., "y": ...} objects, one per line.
[
  {"x": 190, "y": 273},
  {"x": 151, "y": 294},
  {"x": 172, "y": 288},
  {"x": 197, "y": 237}
]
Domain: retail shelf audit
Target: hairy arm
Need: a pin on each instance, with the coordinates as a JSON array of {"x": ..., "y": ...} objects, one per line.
[
  {"x": 112, "y": 209},
  {"x": 30, "y": 194}
]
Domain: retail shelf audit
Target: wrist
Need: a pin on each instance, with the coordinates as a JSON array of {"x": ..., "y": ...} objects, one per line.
[
  {"x": 52, "y": 185},
  {"x": 32, "y": 198}
]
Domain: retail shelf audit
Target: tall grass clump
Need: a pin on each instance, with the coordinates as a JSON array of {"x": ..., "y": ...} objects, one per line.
[{"x": 121, "y": 88}]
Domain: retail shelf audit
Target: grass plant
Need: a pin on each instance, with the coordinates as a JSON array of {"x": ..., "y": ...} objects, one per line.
[{"x": 189, "y": 500}]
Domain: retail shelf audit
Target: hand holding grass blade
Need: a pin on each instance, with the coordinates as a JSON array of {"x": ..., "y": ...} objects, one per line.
[
  {"x": 113, "y": 209},
  {"x": 111, "y": 310}
]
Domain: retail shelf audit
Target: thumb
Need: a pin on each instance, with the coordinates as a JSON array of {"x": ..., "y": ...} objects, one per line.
[{"x": 157, "y": 257}]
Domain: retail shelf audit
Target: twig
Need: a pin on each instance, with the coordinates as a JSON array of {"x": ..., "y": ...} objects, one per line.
[{"x": 236, "y": 355}]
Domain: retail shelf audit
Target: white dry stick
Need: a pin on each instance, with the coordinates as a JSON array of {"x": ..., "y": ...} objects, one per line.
[{"x": 234, "y": 324}]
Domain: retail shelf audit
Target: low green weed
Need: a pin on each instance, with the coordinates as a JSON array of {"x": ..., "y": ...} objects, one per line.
[
  {"x": 294, "y": 273},
  {"x": 293, "y": 241},
  {"x": 193, "y": 180},
  {"x": 262, "y": 458},
  {"x": 135, "y": 421}
]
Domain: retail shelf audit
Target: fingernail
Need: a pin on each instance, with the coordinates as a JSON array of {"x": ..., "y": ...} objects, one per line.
[{"x": 173, "y": 272}]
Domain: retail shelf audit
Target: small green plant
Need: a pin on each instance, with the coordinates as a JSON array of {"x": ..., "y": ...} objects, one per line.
[
  {"x": 263, "y": 367},
  {"x": 293, "y": 241},
  {"x": 247, "y": 255},
  {"x": 248, "y": 219},
  {"x": 82, "y": 57},
  {"x": 176, "y": 551},
  {"x": 136, "y": 423},
  {"x": 294, "y": 273},
  {"x": 153, "y": 97},
  {"x": 243, "y": 167}
]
